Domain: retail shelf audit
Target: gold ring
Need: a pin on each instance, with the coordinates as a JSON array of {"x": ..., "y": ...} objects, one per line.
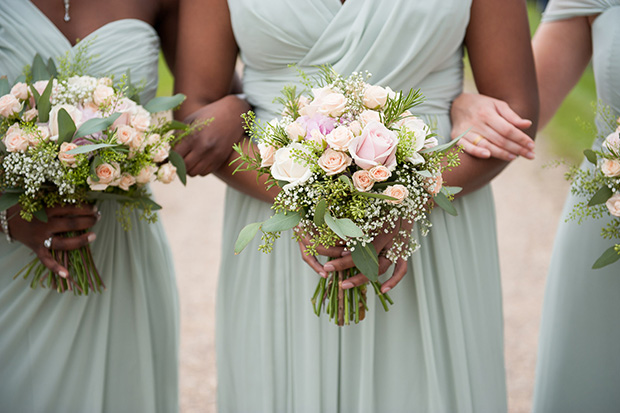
[{"x": 477, "y": 139}]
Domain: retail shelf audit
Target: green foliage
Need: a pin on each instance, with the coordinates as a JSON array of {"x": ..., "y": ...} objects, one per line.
[{"x": 394, "y": 107}]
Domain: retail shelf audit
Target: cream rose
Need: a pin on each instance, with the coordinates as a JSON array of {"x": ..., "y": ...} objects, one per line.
[
  {"x": 141, "y": 120},
  {"x": 137, "y": 142},
  {"x": 613, "y": 205},
  {"x": 267, "y": 153},
  {"x": 125, "y": 134},
  {"x": 16, "y": 140},
  {"x": 334, "y": 105},
  {"x": 396, "y": 191},
  {"x": 102, "y": 94},
  {"x": 44, "y": 133},
  {"x": 108, "y": 174},
  {"x": 74, "y": 113},
  {"x": 356, "y": 128},
  {"x": 362, "y": 181},
  {"x": 30, "y": 114},
  {"x": 379, "y": 173},
  {"x": 67, "y": 158},
  {"x": 334, "y": 162},
  {"x": 9, "y": 106},
  {"x": 160, "y": 152},
  {"x": 375, "y": 146},
  {"x": 610, "y": 167},
  {"x": 369, "y": 116},
  {"x": 316, "y": 136},
  {"x": 146, "y": 174},
  {"x": 166, "y": 173},
  {"x": 295, "y": 131},
  {"x": 434, "y": 184},
  {"x": 288, "y": 168},
  {"x": 339, "y": 138},
  {"x": 153, "y": 139},
  {"x": 20, "y": 91},
  {"x": 612, "y": 141},
  {"x": 105, "y": 81},
  {"x": 126, "y": 181},
  {"x": 375, "y": 97}
]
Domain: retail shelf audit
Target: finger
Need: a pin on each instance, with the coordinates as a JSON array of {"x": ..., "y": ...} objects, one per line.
[
  {"x": 339, "y": 264},
  {"x": 72, "y": 210},
  {"x": 332, "y": 252},
  {"x": 399, "y": 272},
  {"x": 311, "y": 261},
  {"x": 496, "y": 151},
  {"x": 61, "y": 243},
  {"x": 355, "y": 281},
  {"x": 184, "y": 146},
  {"x": 384, "y": 264},
  {"x": 46, "y": 259},
  {"x": 80, "y": 223},
  {"x": 510, "y": 138},
  {"x": 471, "y": 149},
  {"x": 511, "y": 116}
]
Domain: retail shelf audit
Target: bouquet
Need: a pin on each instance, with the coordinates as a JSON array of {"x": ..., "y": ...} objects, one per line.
[
  {"x": 352, "y": 162},
  {"x": 70, "y": 139},
  {"x": 601, "y": 187}
]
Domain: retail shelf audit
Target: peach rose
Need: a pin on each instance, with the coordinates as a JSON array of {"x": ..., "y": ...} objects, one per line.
[
  {"x": 295, "y": 131},
  {"x": 137, "y": 142},
  {"x": 16, "y": 140},
  {"x": 613, "y": 205},
  {"x": 9, "y": 106},
  {"x": 379, "y": 173},
  {"x": 288, "y": 168},
  {"x": 267, "y": 153},
  {"x": 339, "y": 138},
  {"x": 30, "y": 114},
  {"x": 74, "y": 113},
  {"x": 20, "y": 91},
  {"x": 44, "y": 132},
  {"x": 166, "y": 173},
  {"x": 126, "y": 181},
  {"x": 160, "y": 152},
  {"x": 102, "y": 94},
  {"x": 67, "y": 159},
  {"x": 369, "y": 116},
  {"x": 396, "y": 191},
  {"x": 126, "y": 107},
  {"x": 146, "y": 175},
  {"x": 610, "y": 167},
  {"x": 434, "y": 184},
  {"x": 141, "y": 120},
  {"x": 334, "y": 162},
  {"x": 153, "y": 139},
  {"x": 125, "y": 134},
  {"x": 375, "y": 146},
  {"x": 108, "y": 174},
  {"x": 375, "y": 97},
  {"x": 362, "y": 181}
]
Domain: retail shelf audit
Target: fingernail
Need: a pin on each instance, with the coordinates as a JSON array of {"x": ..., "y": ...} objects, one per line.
[
  {"x": 347, "y": 284},
  {"x": 531, "y": 145},
  {"x": 91, "y": 237},
  {"x": 98, "y": 215},
  {"x": 323, "y": 274},
  {"x": 512, "y": 157},
  {"x": 345, "y": 253},
  {"x": 384, "y": 290},
  {"x": 95, "y": 209},
  {"x": 329, "y": 267},
  {"x": 63, "y": 274},
  {"x": 530, "y": 155}
]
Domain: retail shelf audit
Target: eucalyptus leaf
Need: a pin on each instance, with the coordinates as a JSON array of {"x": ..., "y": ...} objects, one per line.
[
  {"x": 442, "y": 148},
  {"x": 347, "y": 181},
  {"x": 281, "y": 222},
  {"x": 44, "y": 105},
  {"x": 373, "y": 195},
  {"x": 51, "y": 67},
  {"x": 2, "y": 147},
  {"x": 96, "y": 125},
  {"x": 366, "y": 260},
  {"x": 246, "y": 235},
  {"x": 146, "y": 202},
  {"x": 425, "y": 174},
  {"x": 349, "y": 228},
  {"x": 66, "y": 127},
  {"x": 91, "y": 148},
  {"x": 41, "y": 215},
  {"x": 5, "y": 88},
  {"x": 34, "y": 92},
  {"x": 8, "y": 199},
  {"x": 319, "y": 212},
  {"x": 333, "y": 225},
  {"x": 179, "y": 163},
  {"x": 93, "y": 168},
  {"x": 163, "y": 103},
  {"x": 39, "y": 69},
  {"x": 590, "y": 155},
  {"x": 444, "y": 203},
  {"x": 451, "y": 190},
  {"x": 608, "y": 257},
  {"x": 601, "y": 196},
  {"x": 20, "y": 79},
  {"x": 178, "y": 125}
]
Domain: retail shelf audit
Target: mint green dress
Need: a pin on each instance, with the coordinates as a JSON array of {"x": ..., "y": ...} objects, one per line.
[
  {"x": 440, "y": 347},
  {"x": 578, "y": 366},
  {"x": 113, "y": 352}
]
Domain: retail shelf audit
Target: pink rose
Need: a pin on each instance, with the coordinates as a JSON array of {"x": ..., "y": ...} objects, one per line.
[
  {"x": 434, "y": 184},
  {"x": 339, "y": 138},
  {"x": 16, "y": 140},
  {"x": 267, "y": 153},
  {"x": 44, "y": 132},
  {"x": 379, "y": 173},
  {"x": 166, "y": 173},
  {"x": 126, "y": 181},
  {"x": 613, "y": 205},
  {"x": 362, "y": 181},
  {"x": 9, "y": 106},
  {"x": 375, "y": 146},
  {"x": 146, "y": 174},
  {"x": 375, "y": 97},
  {"x": 396, "y": 191},
  {"x": 320, "y": 123},
  {"x": 289, "y": 168},
  {"x": 125, "y": 134},
  {"x": 102, "y": 94},
  {"x": 20, "y": 91},
  {"x": 316, "y": 136},
  {"x": 67, "y": 159},
  {"x": 334, "y": 162},
  {"x": 610, "y": 167}
]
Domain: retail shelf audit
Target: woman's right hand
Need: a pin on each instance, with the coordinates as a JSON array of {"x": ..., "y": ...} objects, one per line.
[
  {"x": 34, "y": 233},
  {"x": 495, "y": 130}
]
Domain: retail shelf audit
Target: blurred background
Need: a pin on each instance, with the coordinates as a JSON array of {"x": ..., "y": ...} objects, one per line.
[{"x": 529, "y": 197}]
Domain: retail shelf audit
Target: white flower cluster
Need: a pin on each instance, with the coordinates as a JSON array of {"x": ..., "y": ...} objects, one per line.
[{"x": 31, "y": 173}]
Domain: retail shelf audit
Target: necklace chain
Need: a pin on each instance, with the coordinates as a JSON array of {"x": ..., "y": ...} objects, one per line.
[{"x": 67, "y": 5}]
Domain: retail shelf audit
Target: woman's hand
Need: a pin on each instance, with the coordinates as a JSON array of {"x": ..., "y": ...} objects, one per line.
[
  {"x": 35, "y": 233},
  {"x": 495, "y": 130},
  {"x": 206, "y": 150},
  {"x": 342, "y": 260}
]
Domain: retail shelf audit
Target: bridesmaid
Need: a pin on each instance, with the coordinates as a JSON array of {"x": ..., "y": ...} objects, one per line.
[
  {"x": 578, "y": 362},
  {"x": 440, "y": 347},
  {"x": 117, "y": 351}
]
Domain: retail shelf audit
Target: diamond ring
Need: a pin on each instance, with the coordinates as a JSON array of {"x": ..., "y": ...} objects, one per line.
[{"x": 48, "y": 243}]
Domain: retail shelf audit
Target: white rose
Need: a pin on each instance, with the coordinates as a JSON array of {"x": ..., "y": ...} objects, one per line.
[
  {"x": 160, "y": 152},
  {"x": 295, "y": 131},
  {"x": 126, "y": 181},
  {"x": 339, "y": 138},
  {"x": 369, "y": 116},
  {"x": 362, "y": 181},
  {"x": 9, "y": 106},
  {"x": 125, "y": 134},
  {"x": 267, "y": 153},
  {"x": 610, "y": 167},
  {"x": 379, "y": 173},
  {"x": 286, "y": 168},
  {"x": 73, "y": 112},
  {"x": 16, "y": 140},
  {"x": 166, "y": 173},
  {"x": 146, "y": 174},
  {"x": 396, "y": 191},
  {"x": 613, "y": 205},
  {"x": 102, "y": 94},
  {"x": 418, "y": 127},
  {"x": 375, "y": 97},
  {"x": 333, "y": 162},
  {"x": 20, "y": 91},
  {"x": 415, "y": 159},
  {"x": 66, "y": 158},
  {"x": 30, "y": 114}
]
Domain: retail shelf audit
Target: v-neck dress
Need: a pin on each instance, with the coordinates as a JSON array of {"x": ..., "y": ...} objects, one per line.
[
  {"x": 578, "y": 367},
  {"x": 110, "y": 352},
  {"x": 440, "y": 346}
]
